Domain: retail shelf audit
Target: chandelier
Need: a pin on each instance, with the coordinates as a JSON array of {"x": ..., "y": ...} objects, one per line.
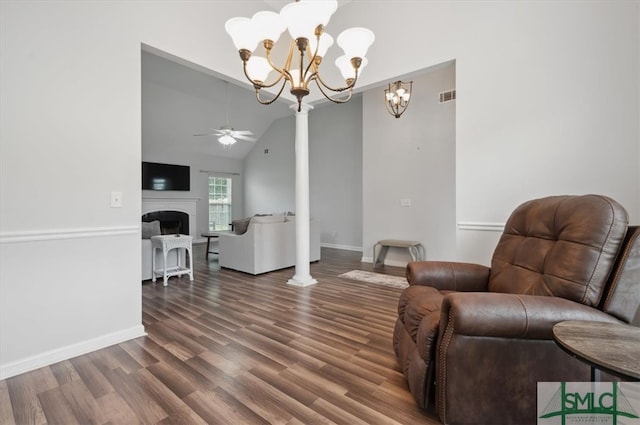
[
  {"x": 305, "y": 20},
  {"x": 397, "y": 97}
]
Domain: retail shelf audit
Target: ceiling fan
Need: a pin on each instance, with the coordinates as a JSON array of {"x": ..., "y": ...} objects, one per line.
[{"x": 228, "y": 135}]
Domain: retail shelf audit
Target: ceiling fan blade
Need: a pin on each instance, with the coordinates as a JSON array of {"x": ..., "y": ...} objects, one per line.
[
  {"x": 243, "y": 132},
  {"x": 247, "y": 138},
  {"x": 206, "y": 134}
]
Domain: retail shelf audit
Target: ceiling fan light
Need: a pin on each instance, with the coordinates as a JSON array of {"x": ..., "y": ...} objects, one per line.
[{"x": 226, "y": 140}]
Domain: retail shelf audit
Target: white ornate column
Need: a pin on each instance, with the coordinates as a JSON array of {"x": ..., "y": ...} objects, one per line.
[{"x": 302, "y": 276}]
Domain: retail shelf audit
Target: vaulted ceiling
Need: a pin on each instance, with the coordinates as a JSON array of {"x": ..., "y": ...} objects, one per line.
[{"x": 170, "y": 75}]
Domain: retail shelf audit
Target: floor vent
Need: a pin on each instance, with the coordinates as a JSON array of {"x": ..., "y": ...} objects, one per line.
[{"x": 448, "y": 96}]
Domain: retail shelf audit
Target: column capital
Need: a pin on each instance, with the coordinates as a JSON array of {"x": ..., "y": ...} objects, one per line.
[{"x": 304, "y": 108}]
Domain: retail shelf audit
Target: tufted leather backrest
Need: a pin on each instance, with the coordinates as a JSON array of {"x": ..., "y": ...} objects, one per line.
[
  {"x": 622, "y": 298},
  {"x": 561, "y": 246}
]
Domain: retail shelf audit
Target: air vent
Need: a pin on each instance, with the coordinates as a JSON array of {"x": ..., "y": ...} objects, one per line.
[{"x": 448, "y": 96}]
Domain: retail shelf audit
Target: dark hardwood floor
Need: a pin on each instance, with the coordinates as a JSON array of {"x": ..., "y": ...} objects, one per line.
[{"x": 231, "y": 348}]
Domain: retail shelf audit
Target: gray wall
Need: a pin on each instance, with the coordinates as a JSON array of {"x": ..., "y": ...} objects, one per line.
[
  {"x": 269, "y": 185},
  {"x": 412, "y": 157},
  {"x": 335, "y": 172}
]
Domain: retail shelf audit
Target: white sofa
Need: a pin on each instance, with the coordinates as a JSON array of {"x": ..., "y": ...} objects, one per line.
[{"x": 268, "y": 244}]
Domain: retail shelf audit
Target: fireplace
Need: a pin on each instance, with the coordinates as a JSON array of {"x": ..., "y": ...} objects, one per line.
[
  {"x": 161, "y": 205},
  {"x": 171, "y": 222}
]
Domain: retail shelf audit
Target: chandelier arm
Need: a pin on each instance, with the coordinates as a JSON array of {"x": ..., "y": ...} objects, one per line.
[
  {"x": 269, "y": 102},
  {"x": 320, "y": 81},
  {"x": 282, "y": 71},
  {"x": 313, "y": 57},
  {"x": 391, "y": 109},
  {"x": 335, "y": 100},
  {"x": 259, "y": 84}
]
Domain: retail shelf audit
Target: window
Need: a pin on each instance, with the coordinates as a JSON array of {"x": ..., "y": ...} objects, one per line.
[{"x": 219, "y": 203}]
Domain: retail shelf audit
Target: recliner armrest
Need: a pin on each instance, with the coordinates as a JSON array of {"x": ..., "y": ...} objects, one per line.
[
  {"x": 445, "y": 275},
  {"x": 511, "y": 315}
]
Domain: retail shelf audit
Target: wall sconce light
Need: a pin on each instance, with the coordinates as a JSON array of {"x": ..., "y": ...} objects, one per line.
[{"x": 397, "y": 97}]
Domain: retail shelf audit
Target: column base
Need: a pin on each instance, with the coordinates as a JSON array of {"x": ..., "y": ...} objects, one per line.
[{"x": 301, "y": 281}]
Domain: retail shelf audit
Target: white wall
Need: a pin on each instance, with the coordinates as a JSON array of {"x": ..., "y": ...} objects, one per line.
[
  {"x": 546, "y": 110},
  {"x": 547, "y": 103},
  {"x": 335, "y": 172},
  {"x": 411, "y": 157},
  {"x": 547, "y": 100},
  {"x": 70, "y": 132}
]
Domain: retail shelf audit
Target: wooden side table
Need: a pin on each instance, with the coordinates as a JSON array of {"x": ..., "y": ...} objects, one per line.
[
  {"x": 610, "y": 347},
  {"x": 166, "y": 243},
  {"x": 210, "y": 235}
]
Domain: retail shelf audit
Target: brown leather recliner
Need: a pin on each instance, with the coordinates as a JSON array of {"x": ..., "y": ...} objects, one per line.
[{"x": 473, "y": 341}]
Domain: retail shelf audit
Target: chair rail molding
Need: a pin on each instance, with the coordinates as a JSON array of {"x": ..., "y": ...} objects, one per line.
[
  {"x": 481, "y": 226},
  {"x": 58, "y": 234}
]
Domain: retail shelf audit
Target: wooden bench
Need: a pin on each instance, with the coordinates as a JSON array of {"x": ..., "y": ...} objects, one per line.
[{"x": 415, "y": 248}]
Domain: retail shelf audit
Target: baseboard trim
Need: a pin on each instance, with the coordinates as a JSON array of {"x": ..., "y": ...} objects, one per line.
[
  {"x": 345, "y": 247},
  {"x": 7, "y": 370},
  {"x": 394, "y": 263},
  {"x": 486, "y": 227},
  {"x": 58, "y": 234}
]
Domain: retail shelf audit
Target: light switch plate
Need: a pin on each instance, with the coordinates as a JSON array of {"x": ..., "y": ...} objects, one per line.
[
  {"x": 116, "y": 199},
  {"x": 405, "y": 202}
]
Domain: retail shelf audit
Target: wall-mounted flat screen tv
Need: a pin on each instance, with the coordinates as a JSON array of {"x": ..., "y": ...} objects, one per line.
[{"x": 157, "y": 176}]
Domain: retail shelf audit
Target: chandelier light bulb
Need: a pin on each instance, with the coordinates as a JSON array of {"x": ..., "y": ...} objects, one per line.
[
  {"x": 242, "y": 33},
  {"x": 305, "y": 21},
  {"x": 346, "y": 68},
  {"x": 258, "y": 68},
  {"x": 326, "y": 41},
  {"x": 268, "y": 25},
  {"x": 355, "y": 42}
]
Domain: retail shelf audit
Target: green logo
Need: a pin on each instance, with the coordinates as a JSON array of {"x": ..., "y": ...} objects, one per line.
[{"x": 589, "y": 402}]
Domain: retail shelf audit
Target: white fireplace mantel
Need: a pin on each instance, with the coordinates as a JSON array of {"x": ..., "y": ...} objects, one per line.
[{"x": 186, "y": 205}]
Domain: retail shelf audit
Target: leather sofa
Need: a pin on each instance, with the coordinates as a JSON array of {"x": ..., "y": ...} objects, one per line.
[
  {"x": 268, "y": 244},
  {"x": 474, "y": 341}
]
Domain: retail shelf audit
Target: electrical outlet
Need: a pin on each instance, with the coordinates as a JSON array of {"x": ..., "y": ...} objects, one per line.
[
  {"x": 116, "y": 199},
  {"x": 405, "y": 202}
]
